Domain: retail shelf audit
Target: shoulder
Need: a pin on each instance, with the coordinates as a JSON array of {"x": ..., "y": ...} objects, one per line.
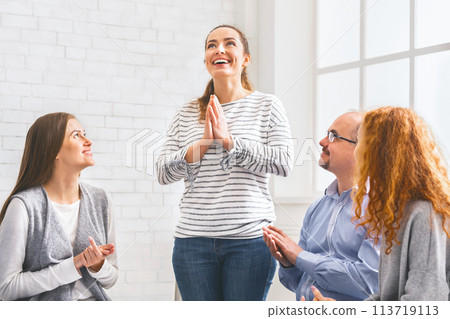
[
  {"x": 420, "y": 213},
  {"x": 190, "y": 108},
  {"x": 419, "y": 210},
  {"x": 265, "y": 98},
  {"x": 16, "y": 206},
  {"x": 32, "y": 198},
  {"x": 29, "y": 193},
  {"x": 186, "y": 113},
  {"x": 314, "y": 207}
]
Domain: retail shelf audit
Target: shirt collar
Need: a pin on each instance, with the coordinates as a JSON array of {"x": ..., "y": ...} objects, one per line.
[{"x": 332, "y": 190}]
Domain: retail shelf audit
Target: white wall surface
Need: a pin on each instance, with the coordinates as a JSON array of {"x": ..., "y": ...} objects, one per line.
[{"x": 120, "y": 66}]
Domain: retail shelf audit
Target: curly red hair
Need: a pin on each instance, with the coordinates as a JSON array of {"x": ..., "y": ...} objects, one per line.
[{"x": 397, "y": 160}]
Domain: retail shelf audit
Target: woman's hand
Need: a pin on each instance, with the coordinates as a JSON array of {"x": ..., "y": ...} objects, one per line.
[
  {"x": 198, "y": 149},
  {"x": 208, "y": 134},
  {"x": 219, "y": 123},
  {"x": 93, "y": 256}
]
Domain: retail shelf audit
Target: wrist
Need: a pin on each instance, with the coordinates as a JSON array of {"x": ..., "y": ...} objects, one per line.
[
  {"x": 78, "y": 261},
  {"x": 206, "y": 142},
  {"x": 228, "y": 143},
  {"x": 97, "y": 267},
  {"x": 286, "y": 264}
]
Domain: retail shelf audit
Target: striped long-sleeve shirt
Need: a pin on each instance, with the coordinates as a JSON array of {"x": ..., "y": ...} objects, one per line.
[{"x": 226, "y": 193}]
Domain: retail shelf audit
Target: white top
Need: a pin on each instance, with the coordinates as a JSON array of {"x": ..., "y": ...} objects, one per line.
[
  {"x": 229, "y": 196},
  {"x": 15, "y": 284}
]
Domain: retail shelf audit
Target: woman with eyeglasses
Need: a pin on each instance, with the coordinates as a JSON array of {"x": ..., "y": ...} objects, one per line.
[
  {"x": 56, "y": 232},
  {"x": 225, "y": 145},
  {"x": 400, "y": 166}
]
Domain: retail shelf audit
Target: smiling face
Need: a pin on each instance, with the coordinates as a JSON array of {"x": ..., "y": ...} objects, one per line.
[
  {"x": 225, "y": 53},
  {"x": 75, "y": 153},
  {"x": 338, "y": 156}
]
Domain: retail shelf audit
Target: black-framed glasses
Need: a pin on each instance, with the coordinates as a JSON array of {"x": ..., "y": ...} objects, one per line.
[{"x": 332, "y": 136}]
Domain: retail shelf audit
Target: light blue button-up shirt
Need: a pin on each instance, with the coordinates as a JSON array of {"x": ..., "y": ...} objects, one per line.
[{"x": 338, "y": 259}]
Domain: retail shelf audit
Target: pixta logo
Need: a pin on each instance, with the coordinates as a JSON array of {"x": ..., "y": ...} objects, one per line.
[{"x": 143, "y": 149}]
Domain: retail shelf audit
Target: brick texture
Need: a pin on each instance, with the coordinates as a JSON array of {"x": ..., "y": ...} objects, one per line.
[{"x": 120, "y": 66}]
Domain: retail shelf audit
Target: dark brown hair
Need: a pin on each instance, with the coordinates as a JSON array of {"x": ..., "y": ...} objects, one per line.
[
  {"x": 43, "y": 142},
  {"x": 204, "y": 99}
]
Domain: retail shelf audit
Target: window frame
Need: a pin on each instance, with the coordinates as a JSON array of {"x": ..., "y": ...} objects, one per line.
[{"x": 362, "y": 63}]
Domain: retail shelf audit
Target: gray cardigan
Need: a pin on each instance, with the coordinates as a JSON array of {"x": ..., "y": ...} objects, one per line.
[
  {"x": 47, "y": 243},
  {"x": 418, "y": 268}
]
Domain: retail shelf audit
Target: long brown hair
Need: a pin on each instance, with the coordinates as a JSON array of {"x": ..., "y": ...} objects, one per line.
[
  {"x": 43, "y": 142},
  {"x": 204, "y": 99},
  {"x": 400, "y": 160}
]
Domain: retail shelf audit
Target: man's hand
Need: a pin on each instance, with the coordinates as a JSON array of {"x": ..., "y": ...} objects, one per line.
[
  {"x": 287, "y": 247},
  {"x": 274, "y": 250}
]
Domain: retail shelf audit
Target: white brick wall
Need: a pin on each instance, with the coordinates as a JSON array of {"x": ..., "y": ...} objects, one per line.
[{"x": 56, "y": 56}]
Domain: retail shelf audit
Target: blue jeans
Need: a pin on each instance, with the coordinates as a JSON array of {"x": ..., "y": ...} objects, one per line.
[{"x": 223, "y": 269}]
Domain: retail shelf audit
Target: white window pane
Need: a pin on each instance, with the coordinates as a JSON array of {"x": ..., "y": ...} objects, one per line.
[
  {"x": 337, "y": 31},
  {"x": 387, "y": 27},
  {"x": 387, "y": 84},
  {"x": 337, "y": 93},
  {"x": 433, "y": 22},
  {"x": 433, "y": 95}
]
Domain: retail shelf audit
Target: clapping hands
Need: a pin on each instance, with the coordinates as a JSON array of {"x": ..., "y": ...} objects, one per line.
[
  {"x": 93, "y": 256},
  {"x": 284, "y": 249}
]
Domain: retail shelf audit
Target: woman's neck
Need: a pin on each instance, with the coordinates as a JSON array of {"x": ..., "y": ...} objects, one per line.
[
  {"x": 229, "y": 91},
  {"x": 63, "y": 189}
]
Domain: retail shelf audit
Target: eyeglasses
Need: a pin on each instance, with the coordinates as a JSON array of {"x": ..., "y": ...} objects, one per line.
[{"x": 332, "y": 136}]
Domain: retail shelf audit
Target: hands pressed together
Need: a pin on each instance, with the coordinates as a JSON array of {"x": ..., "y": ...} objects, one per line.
[
  {"x": 216, "y": 127},
  {"x": 216, "y": 130},
  {"x": 93, "y": 256},
  {"x": 285, "y": 250}
]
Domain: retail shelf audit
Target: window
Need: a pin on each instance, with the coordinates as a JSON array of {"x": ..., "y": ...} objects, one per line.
[{"x": 372, "y": 53}]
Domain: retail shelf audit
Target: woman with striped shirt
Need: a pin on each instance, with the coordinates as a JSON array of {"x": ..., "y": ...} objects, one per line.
[{"x": 224, "y": 145}]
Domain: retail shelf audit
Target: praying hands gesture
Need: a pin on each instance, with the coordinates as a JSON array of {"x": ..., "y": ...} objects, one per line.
[
  {"x": 93, "y": 256},
  {"x": 216, "y": 129},
  {"x": 219, "y": 123}
]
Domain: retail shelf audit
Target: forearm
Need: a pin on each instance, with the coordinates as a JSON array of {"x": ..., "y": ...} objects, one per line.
[
  {"x": 289, "y": 277},
  {"x": 171, "y": 166},
  {"x": 356, "y": 279},
  {"x": 26, "y": 284},
  {"x": 108, "y": 274},
  {"x": 258, "y": 157},
  {"x": 197, "y": 150}
]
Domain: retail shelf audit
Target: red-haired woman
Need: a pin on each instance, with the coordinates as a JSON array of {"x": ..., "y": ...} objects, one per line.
[
  {"x": 225, "y": 145},
  {"x": 54, "y": 230},
  {"x": 406, "y": 177}
]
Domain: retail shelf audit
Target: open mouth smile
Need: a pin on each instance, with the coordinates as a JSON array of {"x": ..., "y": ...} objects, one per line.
[{"x": 221, "y": 61}]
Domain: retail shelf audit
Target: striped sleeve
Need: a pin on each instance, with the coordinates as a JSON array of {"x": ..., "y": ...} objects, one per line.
[
  {"x": 171, "y": 165},
  {"x": 275, "y": 157}
]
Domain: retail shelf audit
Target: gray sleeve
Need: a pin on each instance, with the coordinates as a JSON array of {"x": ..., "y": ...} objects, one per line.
[{"x": 427, "y": 250}]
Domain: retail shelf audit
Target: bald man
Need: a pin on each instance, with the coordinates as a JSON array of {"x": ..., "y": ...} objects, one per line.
[{"x": 332, "y": 255}]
